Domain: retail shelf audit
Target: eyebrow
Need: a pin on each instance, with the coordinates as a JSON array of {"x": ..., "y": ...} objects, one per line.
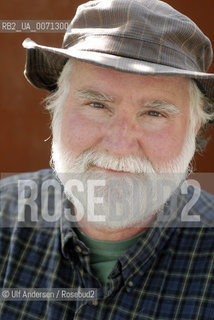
[
  {"x": 93, "y": 95},
  {"x": 160, "y": 105},
  {"x": 163, "y": 106}
]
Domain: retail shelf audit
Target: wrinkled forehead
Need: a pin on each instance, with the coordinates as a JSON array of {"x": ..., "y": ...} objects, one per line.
[{"x": 90, "y": 78}]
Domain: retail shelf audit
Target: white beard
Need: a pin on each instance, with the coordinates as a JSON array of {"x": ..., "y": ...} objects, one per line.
[{"x": 119, "y": 200}]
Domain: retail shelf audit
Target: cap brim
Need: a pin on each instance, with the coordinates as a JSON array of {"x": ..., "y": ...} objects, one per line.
[{"x": 44, "y": 65}]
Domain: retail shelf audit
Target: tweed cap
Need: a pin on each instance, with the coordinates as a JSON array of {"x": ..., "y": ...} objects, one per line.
[{"x": 146, "y": 37}]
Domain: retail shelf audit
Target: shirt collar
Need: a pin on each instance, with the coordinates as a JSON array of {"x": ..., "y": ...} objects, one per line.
[
  {"x": 67, "y": 233},
  {"x": 139, "y": 256}
]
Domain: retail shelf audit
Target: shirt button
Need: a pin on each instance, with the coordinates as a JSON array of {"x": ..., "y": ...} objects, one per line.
[
  {"x": 78, "y": 249},
  {"x": 130, "y": 284}
]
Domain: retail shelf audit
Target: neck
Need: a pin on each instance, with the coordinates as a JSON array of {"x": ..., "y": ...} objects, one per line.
[{"x": 112, "y": 234}]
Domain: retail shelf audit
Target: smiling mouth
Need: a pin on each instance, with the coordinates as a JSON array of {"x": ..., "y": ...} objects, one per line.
[
  {"x": 94, "y": 167},
  {"x": 114, "y": 171}
]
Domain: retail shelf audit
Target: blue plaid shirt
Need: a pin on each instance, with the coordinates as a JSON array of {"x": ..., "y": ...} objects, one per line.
[{"x": 167, "y": 274}]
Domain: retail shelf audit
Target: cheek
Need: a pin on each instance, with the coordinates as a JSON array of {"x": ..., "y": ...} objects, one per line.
[
  {"x": 164, "y": 145},
  {"x": 78, "y": 133}
]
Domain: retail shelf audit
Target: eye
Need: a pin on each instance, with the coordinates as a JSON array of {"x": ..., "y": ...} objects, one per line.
[
  {"x": 96, "y": 105},
  {"x": 154, "y": 113}
]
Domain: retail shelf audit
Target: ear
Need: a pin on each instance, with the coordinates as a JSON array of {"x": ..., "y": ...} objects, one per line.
[
  {"x": 197, "y": 127},
  {"x": 198, "y": 123}
]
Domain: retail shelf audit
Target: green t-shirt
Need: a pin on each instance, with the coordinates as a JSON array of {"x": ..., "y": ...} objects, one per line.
[{"x": 104, "y": 254}]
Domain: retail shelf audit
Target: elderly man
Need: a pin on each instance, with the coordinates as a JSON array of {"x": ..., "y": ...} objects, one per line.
[{"x": 129, "y": 100}]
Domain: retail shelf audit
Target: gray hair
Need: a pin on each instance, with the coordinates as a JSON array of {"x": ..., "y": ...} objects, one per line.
[{"x": 201, "y": 108}]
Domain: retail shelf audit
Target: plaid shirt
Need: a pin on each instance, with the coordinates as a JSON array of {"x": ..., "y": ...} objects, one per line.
[{"x": 167, "y": 274}]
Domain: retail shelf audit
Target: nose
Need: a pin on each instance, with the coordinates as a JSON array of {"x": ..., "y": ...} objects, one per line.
[{"x": 121, "y": 137}]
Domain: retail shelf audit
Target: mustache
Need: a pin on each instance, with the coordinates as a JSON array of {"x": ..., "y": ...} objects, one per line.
[{"x": 90, "y": 158}]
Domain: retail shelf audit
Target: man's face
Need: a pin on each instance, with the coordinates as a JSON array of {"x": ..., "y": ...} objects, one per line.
[
  {"x": 129, "y": 127},
  {"x": 124, "y": 114}
]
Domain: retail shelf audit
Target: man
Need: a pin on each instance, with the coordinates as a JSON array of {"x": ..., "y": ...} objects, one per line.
[{"x": 130, "y": 97}]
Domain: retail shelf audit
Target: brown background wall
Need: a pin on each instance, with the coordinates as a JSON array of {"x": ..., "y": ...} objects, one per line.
[{"x": 24, "y": 125}]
